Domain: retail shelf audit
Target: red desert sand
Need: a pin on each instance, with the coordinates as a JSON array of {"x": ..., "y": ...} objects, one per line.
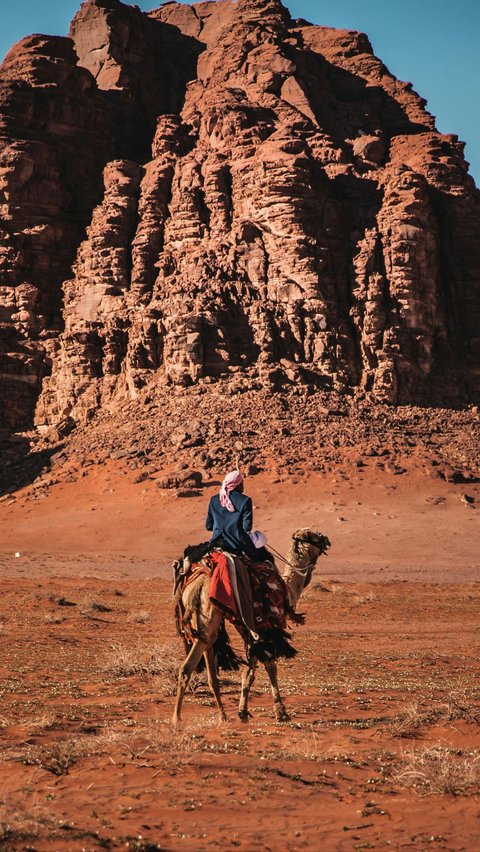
[
  {"x": 383, "y": 746},
  {"x": 227, "y": 233}
]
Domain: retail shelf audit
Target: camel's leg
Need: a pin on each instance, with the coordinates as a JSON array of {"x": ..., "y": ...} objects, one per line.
[
  {"x": 279, "y": 707},
  {"x": 186, "y": 670},
  {"x": 213, "y": 681},
  {"x": 248, "y": 677},
  {"x": 209, "y": 634}
]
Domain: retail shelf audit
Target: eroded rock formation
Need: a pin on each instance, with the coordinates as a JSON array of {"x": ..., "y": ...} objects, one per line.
[{"x": 274, "y": 203}]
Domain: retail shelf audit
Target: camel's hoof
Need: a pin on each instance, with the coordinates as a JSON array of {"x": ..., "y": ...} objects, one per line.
[
  {"x": 244, "y": 715},
  {"x": 223, "y": 717},
  {"x": 282, "y": 715}
]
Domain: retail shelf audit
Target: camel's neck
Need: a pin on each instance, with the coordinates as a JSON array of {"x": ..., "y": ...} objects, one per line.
[
  {"x": 295, "y": 584},
  {"x": 294, "y": 575}
]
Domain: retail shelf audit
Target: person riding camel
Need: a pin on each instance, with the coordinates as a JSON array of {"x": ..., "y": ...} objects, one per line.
[{"x": 230, "y": 519}]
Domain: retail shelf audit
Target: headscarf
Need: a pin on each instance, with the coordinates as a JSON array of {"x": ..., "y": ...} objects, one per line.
[{"x": 231, "y": 481}]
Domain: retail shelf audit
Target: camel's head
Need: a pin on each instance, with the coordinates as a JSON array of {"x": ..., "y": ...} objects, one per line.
[{"x": 307, "y": 546}]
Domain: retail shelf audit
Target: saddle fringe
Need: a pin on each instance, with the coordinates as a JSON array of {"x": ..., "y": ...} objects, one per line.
[
  {"x": 272, "y": 645},
  {"x": 296, "y": 617}
]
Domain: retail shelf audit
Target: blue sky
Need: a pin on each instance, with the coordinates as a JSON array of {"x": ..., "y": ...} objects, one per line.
[{"x": 432, "y": 43}]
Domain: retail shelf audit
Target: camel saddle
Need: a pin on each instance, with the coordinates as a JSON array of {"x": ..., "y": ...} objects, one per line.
[{"x": 252, "y": 594}]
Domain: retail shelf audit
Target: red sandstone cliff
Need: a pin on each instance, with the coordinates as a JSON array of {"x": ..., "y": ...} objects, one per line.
[{"x": 273, "y": 202}]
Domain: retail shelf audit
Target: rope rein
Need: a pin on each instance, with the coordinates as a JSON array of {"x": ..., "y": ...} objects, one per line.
[{"x": 301, "y": 571}]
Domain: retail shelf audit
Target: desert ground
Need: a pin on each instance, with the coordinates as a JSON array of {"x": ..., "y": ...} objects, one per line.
[{"x": 383, "y": 747}]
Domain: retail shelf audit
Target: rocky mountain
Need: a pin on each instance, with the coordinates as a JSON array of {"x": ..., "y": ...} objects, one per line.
[{"x": 218, "y": 189}]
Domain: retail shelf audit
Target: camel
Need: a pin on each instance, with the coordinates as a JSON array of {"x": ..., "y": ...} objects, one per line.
[{"x": 206, "y": 620}]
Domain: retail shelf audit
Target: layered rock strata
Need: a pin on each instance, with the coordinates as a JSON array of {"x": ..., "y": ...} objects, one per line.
[{"x": 274, "y": 203}]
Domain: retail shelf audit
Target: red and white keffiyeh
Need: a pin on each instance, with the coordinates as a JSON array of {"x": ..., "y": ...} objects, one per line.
[{"x": 231, "y": 481}]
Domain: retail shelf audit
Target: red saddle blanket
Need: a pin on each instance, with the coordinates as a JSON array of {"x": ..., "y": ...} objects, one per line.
[
  {"x": 270, "y": 596},
  {"x": 261, "y": 594}
]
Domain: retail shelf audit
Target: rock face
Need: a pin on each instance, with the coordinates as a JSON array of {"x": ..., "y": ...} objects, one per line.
[{"x": 274, "y": 203}]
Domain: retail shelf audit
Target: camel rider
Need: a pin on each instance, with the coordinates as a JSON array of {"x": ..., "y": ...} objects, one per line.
[{"x": 230, "y": 518}]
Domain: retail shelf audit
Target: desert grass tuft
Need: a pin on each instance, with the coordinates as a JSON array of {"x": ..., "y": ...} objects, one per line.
[
  {"x": 417, "y": 715},
  {"x": 409, "y": 723},
  {"x": 161, "y": 662},
  {"x": 144, "y": 659},
  {"x": 459, "y": 706},
  {"x": 141, "y": 617},
  {"x": 360, "y": 600},
  {"x": 440, "y": 771},
  {"x": 54, "y": 618},
  {"x": 59, "y": 756},
  {"x": 42, "y": 723},
  {"x": 90, "y": 607},
  {"x": 18, "y": 824}
]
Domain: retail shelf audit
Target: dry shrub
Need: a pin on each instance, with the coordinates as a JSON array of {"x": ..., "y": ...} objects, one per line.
[
  {"x": 140, "y": 743},
  {"x": 408, "y": 724},
  {"x": 176, "y": 746},
  {"x": 359, "y": 600},
  {"x": 308, "y": 746},
  {"x": 438, "y": 770},
  {"x": 53, "y": 618},
  {"x": 16, "y": 824},
  {"x": 91, "y": 607},
  {"x": 141, "y": 617},
  {"x": 56, "y": 757},
  {"x": 165, "y": 738},
  {"x": 43, "y": 723},
  {"x": 161, "y": 660},
  {"x": 459, "y": 706},
  {"x": 59, "y": 756},
  {"x": 157, "y": 661}
]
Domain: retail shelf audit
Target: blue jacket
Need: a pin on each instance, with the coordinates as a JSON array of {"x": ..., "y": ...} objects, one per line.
[{"x": 233, "y": 527}]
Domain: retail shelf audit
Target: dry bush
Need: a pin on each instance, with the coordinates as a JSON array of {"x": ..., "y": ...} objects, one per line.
[
  {"x": 91, "y": 607},
  {"x": 42, "y": 723},
  {"x": 459, "y": 706},
  {"x": 358, "y": 600},
  {"x": 17, "y": 825},
  {"x": 308, "y": 746},
  {"x": 408, "y": 724},
  {"x": 164, "y": 738},
  {"x": 139, "y": 743},
  {"x": 140, "y": 617},
  {"x": 438, "y": 770},
  {"x": 53, "y": 618},
  {"x": 159, "y": 737},
  {"x": 57, "y": 757},
  {"x": 160, "y": 660}
]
